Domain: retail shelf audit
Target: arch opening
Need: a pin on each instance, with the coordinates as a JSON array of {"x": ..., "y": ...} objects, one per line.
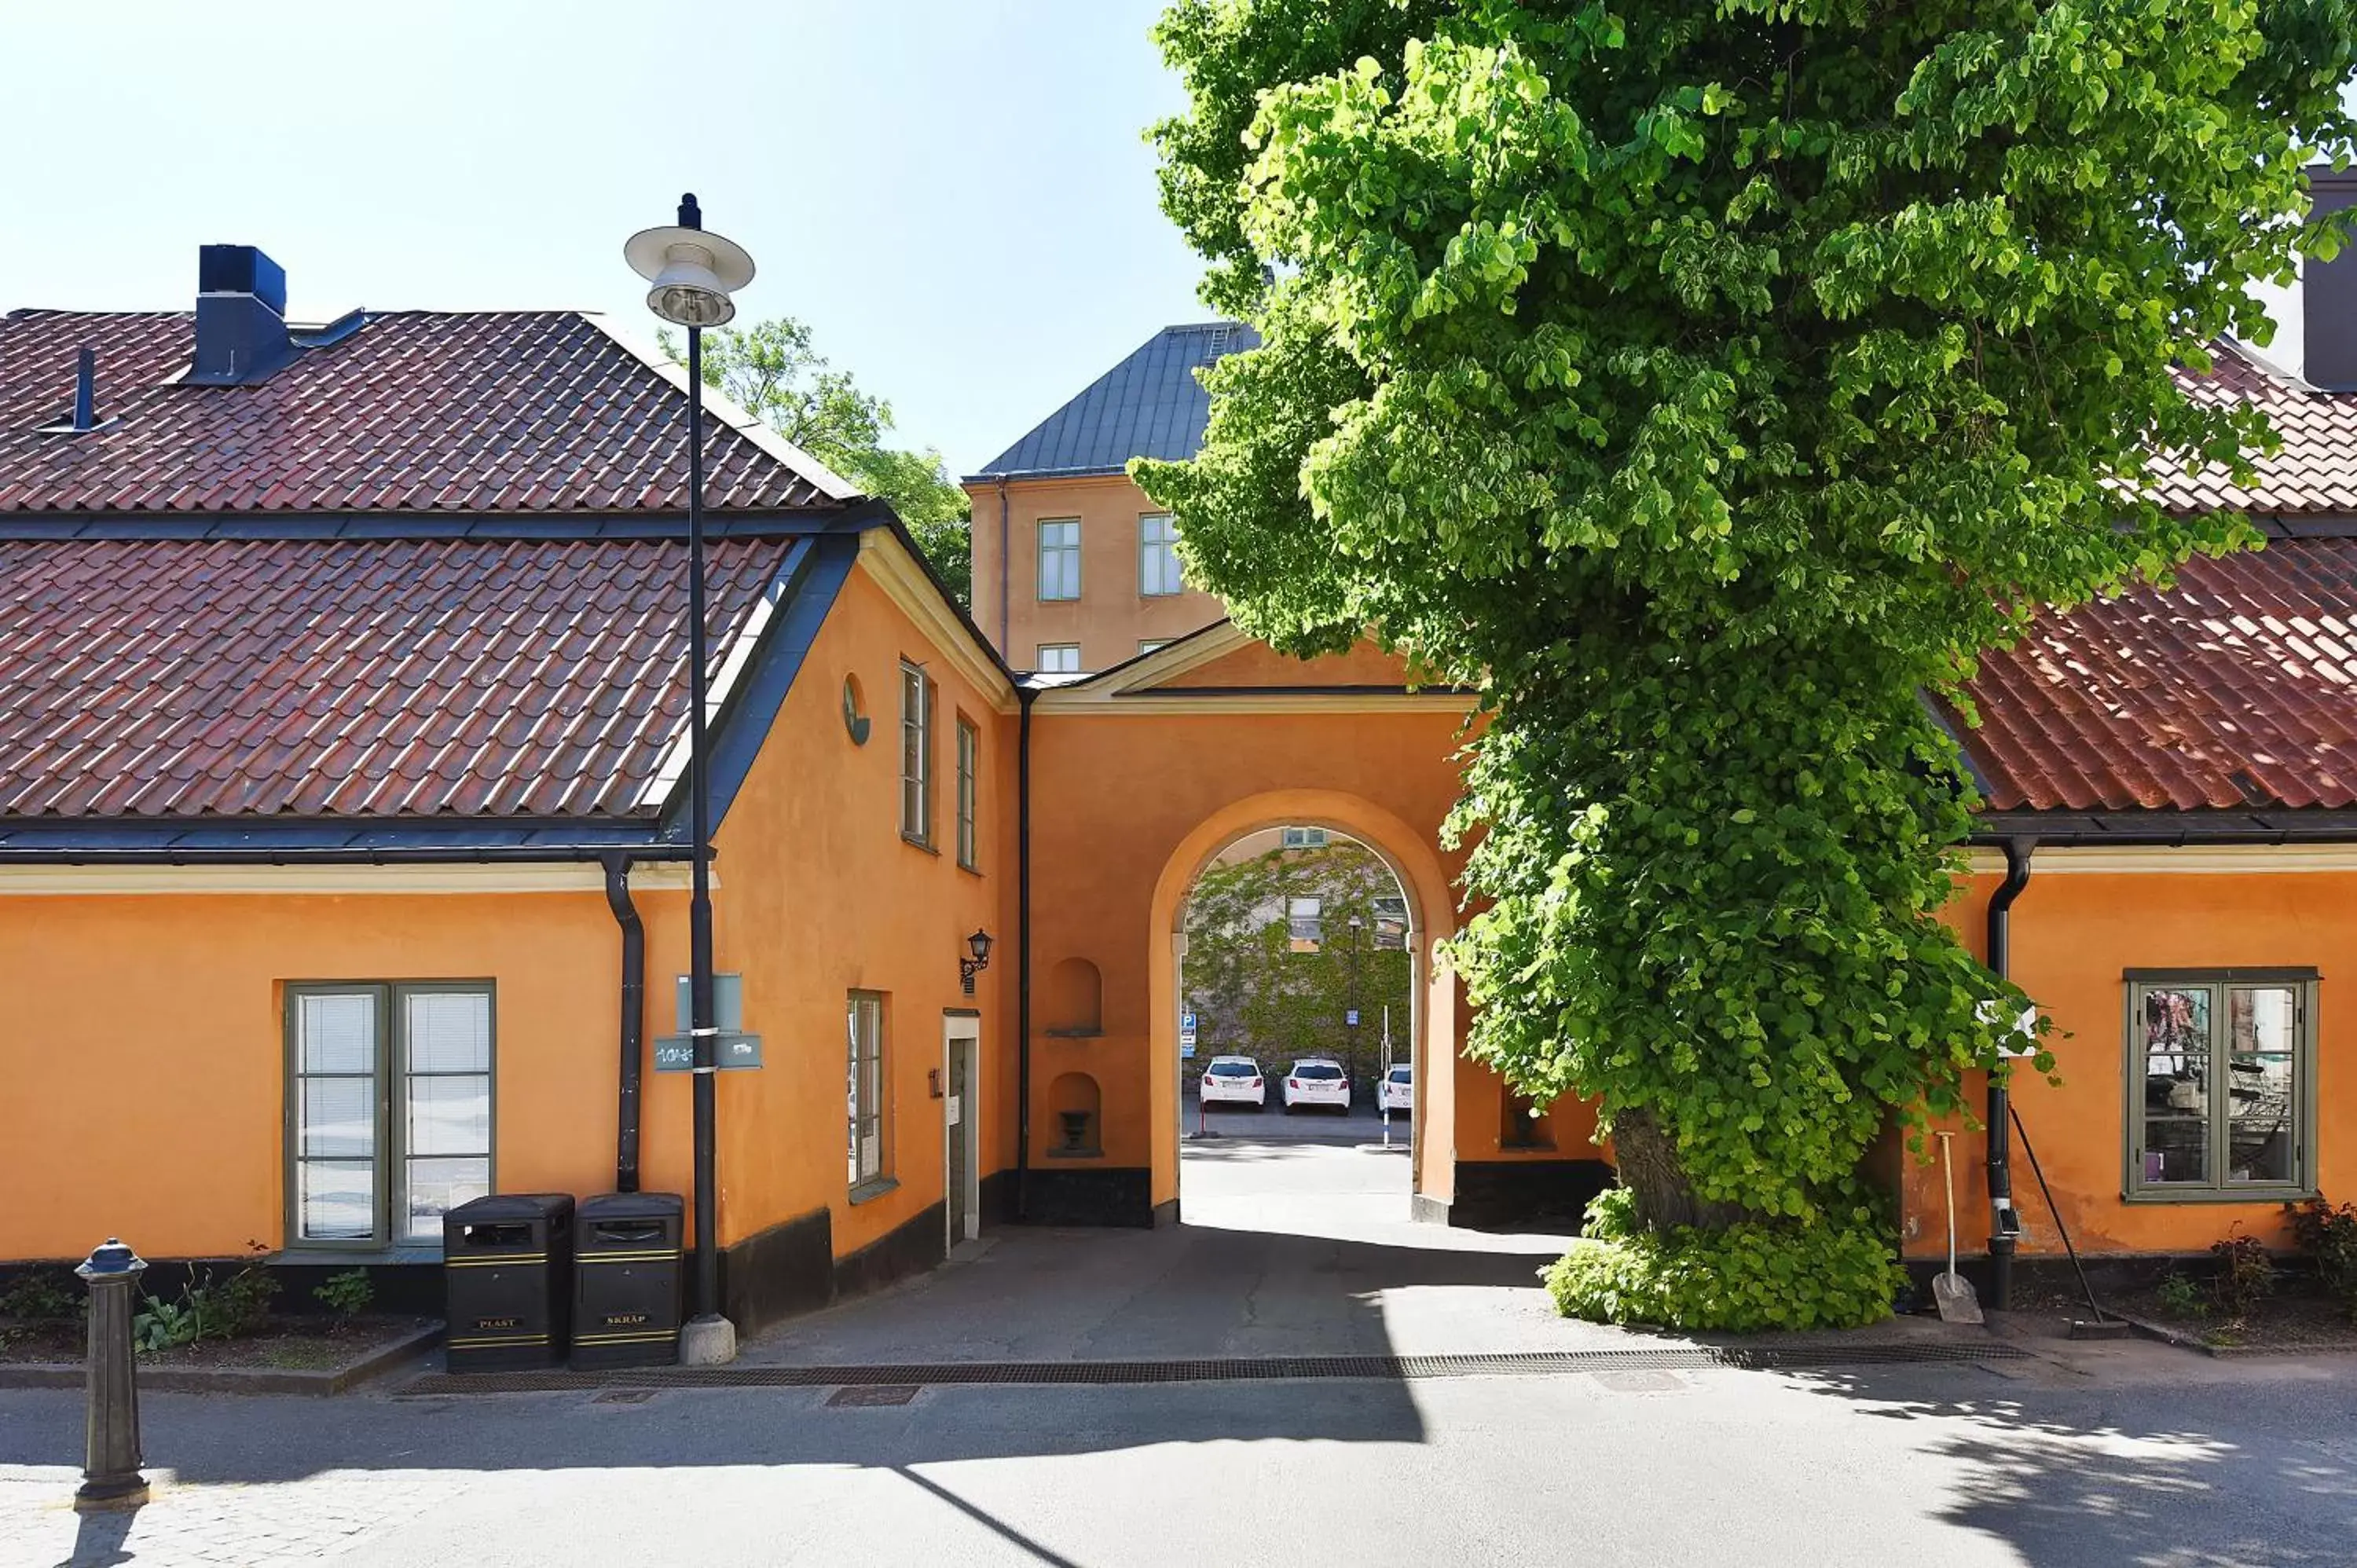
[{"x": 1265, "y": 891}]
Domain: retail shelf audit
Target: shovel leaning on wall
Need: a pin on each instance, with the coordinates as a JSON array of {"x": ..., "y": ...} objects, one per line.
[{"x": 1950, "y": 1292}]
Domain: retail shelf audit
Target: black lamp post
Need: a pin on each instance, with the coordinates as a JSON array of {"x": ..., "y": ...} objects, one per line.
[
  {"x": 691, "y": 274},
  {"x": 1350, "y": 1017}
]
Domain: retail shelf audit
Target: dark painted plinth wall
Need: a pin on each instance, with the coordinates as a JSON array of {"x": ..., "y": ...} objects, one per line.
[
  {"x": 1524, "y": 1194},
  {"x": 1089, "y": 1195}
]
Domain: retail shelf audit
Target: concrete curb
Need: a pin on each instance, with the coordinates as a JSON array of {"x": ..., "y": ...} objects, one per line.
[
  {"x": 2167, "y": 1335},
  {"x": 236, "y": 1379}
]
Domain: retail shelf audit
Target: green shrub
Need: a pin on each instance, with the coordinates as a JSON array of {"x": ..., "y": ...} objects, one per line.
[
  {"x": 166, "y": 1325},
  {"x": 43, "y": 1298},
  {"x": 2327, "y": 1236},
  {"x": 2245, "y": 1276},
  {"x": 1752, "y": 1275},
  {"x": 348, "y": 1293},
  {"x": 2179, "y": 1296}
]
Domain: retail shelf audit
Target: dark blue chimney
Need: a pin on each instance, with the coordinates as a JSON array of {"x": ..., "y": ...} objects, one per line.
[{"x": 241, "y": 317}]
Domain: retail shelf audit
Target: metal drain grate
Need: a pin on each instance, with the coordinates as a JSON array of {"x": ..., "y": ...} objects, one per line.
[
  {"x": 867, "y": 1396},
  {"x": 1789, "y": 1357}
]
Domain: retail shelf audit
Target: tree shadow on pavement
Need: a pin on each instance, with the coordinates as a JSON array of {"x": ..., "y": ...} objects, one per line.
[{"x": 2210, "y": 1473}]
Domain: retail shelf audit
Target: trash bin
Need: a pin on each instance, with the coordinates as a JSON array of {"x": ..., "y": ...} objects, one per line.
[
  {"x": 507, "y": 1266},
  {"x": 626, "y": 1280}
]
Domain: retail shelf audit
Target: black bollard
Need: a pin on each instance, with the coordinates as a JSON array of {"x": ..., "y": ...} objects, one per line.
[{"x": 110, "y": 1470}]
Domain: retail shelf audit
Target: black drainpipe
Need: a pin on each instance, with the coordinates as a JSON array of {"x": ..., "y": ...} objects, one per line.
[
  {"x": 1023, "y": 957},
  {"x": 2005, "y": 1225},
  {"x": 634, "y": 1018}
]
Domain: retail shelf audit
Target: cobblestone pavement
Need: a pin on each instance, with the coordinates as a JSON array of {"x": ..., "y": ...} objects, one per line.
[{"x": 235, "y": 1524}]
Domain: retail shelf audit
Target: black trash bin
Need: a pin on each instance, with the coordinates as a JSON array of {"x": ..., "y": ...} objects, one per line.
[
  {"x": 626, "y": 1281},
  {"x": 507, "y": 1265}
]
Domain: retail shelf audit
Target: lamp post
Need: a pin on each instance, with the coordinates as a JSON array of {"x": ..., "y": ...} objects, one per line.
[
  {"x": 691, "y": 274},
  {"x": 1350, "y": 1017}
]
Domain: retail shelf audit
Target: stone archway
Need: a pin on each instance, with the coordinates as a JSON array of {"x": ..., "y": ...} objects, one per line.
[{"x": 1433, "y": 993}]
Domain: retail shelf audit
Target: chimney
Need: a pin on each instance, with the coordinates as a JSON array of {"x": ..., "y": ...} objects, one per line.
[
  {"x": 241, "y": 317},
  {"x": 2328, "y": 292}
]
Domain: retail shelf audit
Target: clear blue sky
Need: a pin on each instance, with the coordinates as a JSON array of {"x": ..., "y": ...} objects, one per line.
[{"x": 952, "y": 193}]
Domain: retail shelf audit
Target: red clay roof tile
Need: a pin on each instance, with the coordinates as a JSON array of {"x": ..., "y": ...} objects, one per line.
[
  {"x": 155, "y": 677},
  {"x": 418, "y": 411},
  {"x": 2233, "y": 691}
]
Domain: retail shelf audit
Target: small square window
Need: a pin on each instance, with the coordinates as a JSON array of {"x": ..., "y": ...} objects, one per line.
[
  {"x": 1148, "y": 644},
  {"x": 1059, "y": 659}
]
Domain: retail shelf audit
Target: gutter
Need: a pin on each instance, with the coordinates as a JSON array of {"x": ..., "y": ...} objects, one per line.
[
  {"x": 2005, "y": 1223},
  {"x": 397, "y": 854},
  {"x": 634, "y": 1019},
  {"x": 1023, "y": 957},
  {"x": 1006, "y": 572}
]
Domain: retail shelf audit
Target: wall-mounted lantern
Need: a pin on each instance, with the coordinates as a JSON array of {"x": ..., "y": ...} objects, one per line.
[{"x": 977, "y": 944}]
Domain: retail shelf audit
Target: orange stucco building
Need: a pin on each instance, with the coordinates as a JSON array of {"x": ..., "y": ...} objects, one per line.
[{"x": 342, "y": 872}]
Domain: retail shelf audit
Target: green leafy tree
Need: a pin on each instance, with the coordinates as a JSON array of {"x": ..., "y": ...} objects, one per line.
[
  {"x": 1256, "y": 992},
  {"x": 1708, "y": 380},
  {"x": 772, "y": 371}
]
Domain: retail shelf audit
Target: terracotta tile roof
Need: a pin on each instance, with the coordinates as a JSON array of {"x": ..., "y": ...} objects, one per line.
[
  {"x": 2235, "y": 690},
  {"x": 417, "y": 411},
  {"x": 2316, "y": 471},
  {"x": 408, "y": 679}
]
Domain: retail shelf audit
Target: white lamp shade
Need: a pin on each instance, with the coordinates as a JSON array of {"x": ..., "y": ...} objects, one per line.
[{"x": 691, "y": 273}]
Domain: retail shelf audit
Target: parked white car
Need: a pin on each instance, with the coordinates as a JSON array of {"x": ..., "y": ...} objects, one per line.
[
  {"x": 1397, "y": 1092},
  {"x": 1233, "y": 1080},
  {"x": 1313, "y": 1080}
]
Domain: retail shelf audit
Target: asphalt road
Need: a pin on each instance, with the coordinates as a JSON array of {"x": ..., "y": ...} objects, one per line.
[
  {"x": 2073, "y": 1457},
  {"x": 1914, "y": 1466}
]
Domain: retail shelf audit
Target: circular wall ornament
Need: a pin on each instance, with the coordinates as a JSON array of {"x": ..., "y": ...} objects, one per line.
[{"x": 854, "y": 720}]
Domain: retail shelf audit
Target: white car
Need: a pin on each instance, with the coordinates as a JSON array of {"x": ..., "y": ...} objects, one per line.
[
  {"x": 1313, "y": 1080},
  {"x": 1397, "y": 1091},
  {"x": 1233, "y": 1080}
]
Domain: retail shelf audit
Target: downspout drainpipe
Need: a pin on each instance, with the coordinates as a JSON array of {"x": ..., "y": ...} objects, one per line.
[
  {"x": 634, "y": 1018},
  {"x": 2003, "y": 1225},
  {"x": 1023, "y": 956},
  {"x": 1006, "y": 579}
]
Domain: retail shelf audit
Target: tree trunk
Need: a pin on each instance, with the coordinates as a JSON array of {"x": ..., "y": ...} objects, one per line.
[{"x": 1649, "y": 1168}]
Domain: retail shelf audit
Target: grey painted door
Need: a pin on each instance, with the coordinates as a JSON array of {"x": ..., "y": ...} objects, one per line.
[{"x": 962, "y": 1127}]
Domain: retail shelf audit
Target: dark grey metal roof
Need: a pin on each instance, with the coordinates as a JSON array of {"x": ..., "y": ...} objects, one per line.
[{"x": 1149, "y": 405}]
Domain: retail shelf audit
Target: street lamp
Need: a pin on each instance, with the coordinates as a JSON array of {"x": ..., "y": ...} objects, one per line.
[{"x": 691, "y": 274}]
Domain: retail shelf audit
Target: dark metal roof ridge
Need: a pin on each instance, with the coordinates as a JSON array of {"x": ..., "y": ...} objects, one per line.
[{"x": 261, "y": 526}]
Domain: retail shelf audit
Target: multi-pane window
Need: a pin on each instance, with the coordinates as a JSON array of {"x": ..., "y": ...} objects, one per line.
[
  {"x": 1390, "y": 922},
  {"x": 1303, "y": 838},
  {"x": 389, "y": 1111},
  {"x": 1059, "y": 659},
  {"x": 969, "y": 770},
  {"x": 2220, "y": 1094},
  {"x": 1158, "y": 555},
  {"x": 1148, "y": 644},
  {"x": 1060, "y": 559},
  {"x": 916, "y": 755},
  {"x": 865, "y": 1020},
  {"x": 1305, "y": 924}
]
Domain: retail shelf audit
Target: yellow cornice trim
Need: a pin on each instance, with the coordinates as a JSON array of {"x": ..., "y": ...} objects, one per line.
[
  {"x": 892, "y": 568},
  {"x": 88, "y": 881},
  {"x": 1066, "y": 701},
  {"x": 2215, "y": 860}
]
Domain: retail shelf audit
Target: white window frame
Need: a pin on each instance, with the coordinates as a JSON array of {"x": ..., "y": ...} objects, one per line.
[
  {"x": 969, "y": 790},
  {"x": 393, "y": 1104},
  {"x": 1159, "y": 574},
  {"x": 1150, "y": 644},
  {"x": 1305, "y": 923},
  {"x": 1302, "y": 838},
  {"x": 916, "y": 755},
  {"x": 1058, "y": 667},
  {"x": 868, "y": 1093},
  {"x": 1057, "y": 579}
]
